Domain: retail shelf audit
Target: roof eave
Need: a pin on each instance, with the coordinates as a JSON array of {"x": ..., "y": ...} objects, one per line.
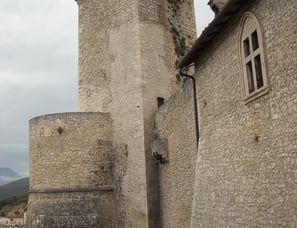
[{"x": 207, "y": 35}]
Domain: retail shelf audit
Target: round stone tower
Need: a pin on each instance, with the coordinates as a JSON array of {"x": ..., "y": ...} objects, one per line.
[
  {"x": 71, "y": 180},
  {"x": 128, "y": 51}
]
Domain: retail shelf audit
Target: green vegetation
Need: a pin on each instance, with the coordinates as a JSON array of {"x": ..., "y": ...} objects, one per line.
[
  {"x": 180, "y": 47},
  {"x": 13, "y": 206},
  {"x": 175, "y": 4},
  {"x": 179, "y": 42},
  {"x": 13, "y": 201}
]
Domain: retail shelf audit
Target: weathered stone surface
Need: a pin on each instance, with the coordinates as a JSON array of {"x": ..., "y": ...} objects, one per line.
[
  {"x": 78, "y": 157},
  {"x": 71, "y": 171},
  {"x": 127, "y": 59},
  {"x": 76, "y": 209},
  {"x": 246, "y": 170},
  {"x": 119, "y": 42},
  {"x": 97, "y": 170},
  {"x": 175, "y": 121}
]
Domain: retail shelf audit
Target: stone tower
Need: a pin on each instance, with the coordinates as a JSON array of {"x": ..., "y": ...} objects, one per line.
[
  {"x": 128, "y": 51},
  {"x": 71, "y": 182}
]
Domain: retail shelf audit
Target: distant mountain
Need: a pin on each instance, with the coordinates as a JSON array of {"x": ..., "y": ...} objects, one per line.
[
  {"x": 16, "y": 188},
  {"x": 8, "y": 175},
  {"x": 4, "y": 171}
]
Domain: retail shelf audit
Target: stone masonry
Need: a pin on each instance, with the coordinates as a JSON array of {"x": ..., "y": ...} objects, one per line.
[
  {"x": 127, "y": 56},
  {"x": 175, "y": 122},
  {"x": 246, "y": 166},
  {"x": 247, "y": 162},
  {"x": 71, "y": 179},
  {"x": 128, "y": 51},
  {"x": 122, "y": 161}
]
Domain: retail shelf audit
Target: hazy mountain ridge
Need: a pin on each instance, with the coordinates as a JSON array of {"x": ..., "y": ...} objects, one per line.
[{"x": 8, "y": 175}]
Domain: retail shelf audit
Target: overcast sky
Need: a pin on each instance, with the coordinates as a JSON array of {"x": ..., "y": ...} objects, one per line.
[{"x": 38, "y": 68}]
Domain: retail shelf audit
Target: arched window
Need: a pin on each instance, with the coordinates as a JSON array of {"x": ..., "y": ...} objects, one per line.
[{"x": 253, "y": 59}]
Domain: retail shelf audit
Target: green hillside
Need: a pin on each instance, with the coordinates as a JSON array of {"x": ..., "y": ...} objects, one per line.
[{"x": 14, "y": 206}]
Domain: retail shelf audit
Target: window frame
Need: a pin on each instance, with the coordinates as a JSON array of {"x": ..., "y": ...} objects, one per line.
[{"x": 249, "y": 25}]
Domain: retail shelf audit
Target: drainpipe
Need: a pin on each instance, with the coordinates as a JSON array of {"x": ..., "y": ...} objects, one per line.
[{"x": 195, "y": 103}]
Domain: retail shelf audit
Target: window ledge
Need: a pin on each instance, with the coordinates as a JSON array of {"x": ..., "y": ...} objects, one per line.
[{"x": 253, "y": 96}]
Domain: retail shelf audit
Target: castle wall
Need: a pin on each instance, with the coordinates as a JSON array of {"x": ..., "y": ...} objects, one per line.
[
  {"x": 96, "y": 169},
  {"x": 127, "y": 60},
  {"x": 246, "y": 170},
  {"x": 158, "y": 59},
  {"x": 96, "y": 21},
  {"x": 175, "y": 124},
  {"x": 71, "y": 171},
  {"x": 127, "y": 114},
  {"x": 80, "y": 209},
  {"x": 109, "y": 66}
]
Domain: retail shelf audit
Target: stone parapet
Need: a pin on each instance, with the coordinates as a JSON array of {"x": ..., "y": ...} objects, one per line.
[{"x": 71, "y": 170}]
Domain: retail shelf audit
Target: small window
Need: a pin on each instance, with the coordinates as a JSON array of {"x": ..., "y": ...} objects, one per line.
[
  {"x": 255, "y": 79},
  {"x": 160, "y": 101},
  {"x": 259, "y": 75},
  {"x": 246, "y": 44},
  {"x": 250, "y": 79},
  {"x": 255, "y": 41}
]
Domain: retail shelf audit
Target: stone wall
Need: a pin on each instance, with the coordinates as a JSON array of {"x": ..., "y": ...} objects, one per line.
[
  {"x": 170, "y": 23},
  {"x": 175, "y": 123},
  {"x": 82, "y": 209},
  {"x": 96, "y": 21},
  {"x": 71, "y": 171},
  {"x": 166, "y": 29},
  {"x": 246, "y": 170},
  {"x": 70, "y": 150},
  {"x": 122, "y": 89},
  {"x": 127, "y": 59},
  {"x": 87, "y": 172}
]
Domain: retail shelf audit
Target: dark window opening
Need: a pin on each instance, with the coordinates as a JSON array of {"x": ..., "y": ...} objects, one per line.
[
  {"x": 160, "y": 101},
  {"x": 255, "y": 40},
  {"x": 249, "y": 71},
  {"x": 246, "y": 46},
  {"x": 258, "y": 69}
]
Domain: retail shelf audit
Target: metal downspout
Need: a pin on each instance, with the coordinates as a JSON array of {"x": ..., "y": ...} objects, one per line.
[{"x": 195, "y": 103}]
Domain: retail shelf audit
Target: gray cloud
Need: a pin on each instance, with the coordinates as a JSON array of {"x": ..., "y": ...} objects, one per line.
[
  {"x": 38, "y": 69},
  {"x": 203, "y": 15}
]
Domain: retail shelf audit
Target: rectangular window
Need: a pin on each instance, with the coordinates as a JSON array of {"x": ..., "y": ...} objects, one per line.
[{"x": 160, "y": 101}]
